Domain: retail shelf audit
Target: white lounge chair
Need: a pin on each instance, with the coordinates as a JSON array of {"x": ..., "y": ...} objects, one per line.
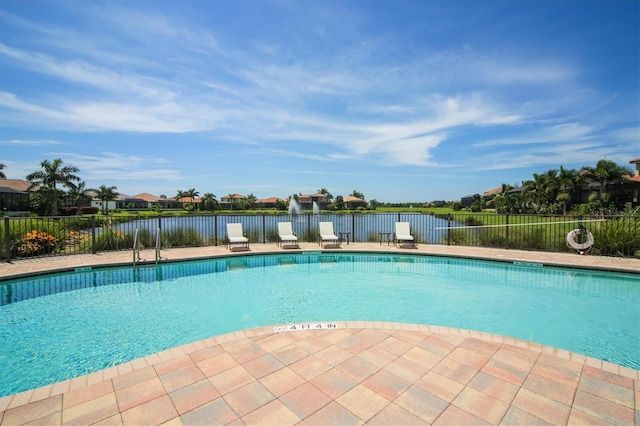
[
  {"x": 403, "y": 235},
  {"x": 286, "y": 237},
  {"x": 236, "y": 236},
  {"x": 327, "y": 235}
]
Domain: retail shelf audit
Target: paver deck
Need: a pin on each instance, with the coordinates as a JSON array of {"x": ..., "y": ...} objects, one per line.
[{"x": 355, "y": 373}]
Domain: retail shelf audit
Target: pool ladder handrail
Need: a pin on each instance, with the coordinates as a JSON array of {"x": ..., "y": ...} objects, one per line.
[
  {"x": 158, "y": 246},
  {"x": 136, "y": 247}
]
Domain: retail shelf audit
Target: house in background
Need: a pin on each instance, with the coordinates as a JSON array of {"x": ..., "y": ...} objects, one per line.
[
  {"x": 268, "y": 203},
  {"x": 225, "y": 201},
  {"x": 153, "y": 200},
  {"x": 467, "y": 200},
  {"x": 353, "y": 203},
  {"x": 306, "y": 201},
  {"x": 491, "y": 193},
  {"x": 14, "y": 197},
  {"x": 634, "y": 184}
]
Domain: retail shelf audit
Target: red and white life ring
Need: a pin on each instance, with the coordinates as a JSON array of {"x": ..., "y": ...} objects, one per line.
[{"x": 571, "y": 239}]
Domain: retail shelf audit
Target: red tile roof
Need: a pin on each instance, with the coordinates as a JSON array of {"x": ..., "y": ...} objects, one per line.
[
  {"x": 352, "y": 199},
  {"x": 16, "y": 184},
  {"x": 269, "y": 200},
  {"x": 147, "y": 197}
]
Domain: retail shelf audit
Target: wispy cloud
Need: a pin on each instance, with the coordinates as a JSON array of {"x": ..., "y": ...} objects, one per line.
[
  {"x": 30, "y": 142},
  {"x": 568, "y": 132},
  {"x": 110, "y": 166}
]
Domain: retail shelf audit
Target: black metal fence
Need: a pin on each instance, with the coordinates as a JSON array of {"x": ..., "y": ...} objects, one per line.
[{"x": 27, "y": 237}]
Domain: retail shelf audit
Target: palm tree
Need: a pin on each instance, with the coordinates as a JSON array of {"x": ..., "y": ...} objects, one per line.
[
  {"x": 180, "y": 194},
  {"x": 52, "y": 174},
  {"x": 250, "y": 201},
  {"x": 231, "y": 199},
  {"x": 326, "y": 192},
  {"x": 78, "y": 193},
  {"x": 357, "y": 194},
  {"x": 209, "y": 201},
  {"x": 543, "y": 188},
  {"x": 106, "y": 194},
  {"x": 506, "y": 187},
  {"x": 2, "y": 175},
  {"x": 605, "y": 173},
  {"x": 191, "y": 193},
  {"x": 568, "y": 179}
]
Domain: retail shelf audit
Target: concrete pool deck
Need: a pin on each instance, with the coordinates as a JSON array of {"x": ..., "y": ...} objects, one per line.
[{"x": 355, "y": 373}]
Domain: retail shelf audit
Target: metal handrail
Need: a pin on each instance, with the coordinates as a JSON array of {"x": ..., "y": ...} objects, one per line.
[
  {"x": 136, "y": 247},
  {"x": 158, "y": 245}
]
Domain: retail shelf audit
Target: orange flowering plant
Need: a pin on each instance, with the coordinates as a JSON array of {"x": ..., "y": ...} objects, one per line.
[{"x": 35, "y": 243}]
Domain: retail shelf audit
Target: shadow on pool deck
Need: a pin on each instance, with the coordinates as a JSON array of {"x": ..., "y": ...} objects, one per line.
[{"x": 378, "y": 373}]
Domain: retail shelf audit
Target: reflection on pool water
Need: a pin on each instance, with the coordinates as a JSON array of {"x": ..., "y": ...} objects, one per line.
[{"x": 60, "y": 326}]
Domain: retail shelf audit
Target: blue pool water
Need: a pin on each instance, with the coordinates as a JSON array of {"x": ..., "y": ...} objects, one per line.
[{"x": 60, "y": 326}]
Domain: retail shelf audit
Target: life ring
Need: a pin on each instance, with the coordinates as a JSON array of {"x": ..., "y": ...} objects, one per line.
[{"x": 571, "y": 239}]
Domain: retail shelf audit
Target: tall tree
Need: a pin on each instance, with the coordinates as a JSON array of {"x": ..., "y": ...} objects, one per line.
[
  {"x": 209, "y": 201},
  {"x": 2, "y": 175},
  {"x": 191, "y": 193},
  {"x": 357, "y": 194},
  {"x": 52, "y": 174},
  {"x": 543, "y": 188},
  {"x": 79, "y": 193},
  {"x": 325, "y": 192},
  {"x": 605, "y": 172},
  {"x": 569, "y": 181},
  {"x": 106, "y": 194},
  {"x": 249, "y": 202}
]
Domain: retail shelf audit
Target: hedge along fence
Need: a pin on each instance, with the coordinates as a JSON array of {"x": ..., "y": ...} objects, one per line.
[{"x": 68, "y": 235}]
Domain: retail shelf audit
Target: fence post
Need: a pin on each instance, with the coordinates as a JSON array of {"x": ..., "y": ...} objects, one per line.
[
  {"x": 449, "y": 229},
  {"x": 7, "y": 240},
  {"x": 353, "y": 227},
  {"x": 506, "y": 230},
  {"x": 215, "y": 229},
  {"x": 264, "y": 229},
  {"x": 93, "y": 234}
]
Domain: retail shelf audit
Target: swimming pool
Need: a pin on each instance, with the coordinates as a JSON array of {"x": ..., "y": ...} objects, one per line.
[{"x": 60, "y": 326}]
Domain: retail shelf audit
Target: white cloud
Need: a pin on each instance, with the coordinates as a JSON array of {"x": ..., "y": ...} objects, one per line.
[
  {"x": 30, "y": 142},
  {"x": 568, "y": 132}
]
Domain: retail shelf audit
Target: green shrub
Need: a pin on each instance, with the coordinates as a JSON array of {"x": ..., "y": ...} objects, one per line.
[
  {"x": 310, "y": 235},
  {"x": 110, "y": 239},
  {"x": 181, "y": 237},
  {"x": 492, "y": 238},
  {"x": 272, "y": 235},
  {"x": 457, "y": 237},
  {"x": 472, "y": 221},
  {"x": 527, "y": 239},
  {"x": 616, "y": 237}
]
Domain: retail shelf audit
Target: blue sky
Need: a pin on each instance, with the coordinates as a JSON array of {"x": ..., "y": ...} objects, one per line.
[{"x": 400, "y": 100}]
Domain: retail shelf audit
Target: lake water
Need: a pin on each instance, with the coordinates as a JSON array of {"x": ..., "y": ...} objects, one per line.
[{"x": 361, "y": 227}]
